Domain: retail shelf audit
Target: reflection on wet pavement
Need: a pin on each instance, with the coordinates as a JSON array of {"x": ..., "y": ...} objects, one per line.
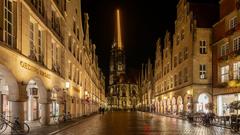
[{"x": 139, "y": 123}]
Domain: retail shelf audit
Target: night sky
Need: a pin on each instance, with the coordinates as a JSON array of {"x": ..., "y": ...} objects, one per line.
[{"x": 143, "y": 22}]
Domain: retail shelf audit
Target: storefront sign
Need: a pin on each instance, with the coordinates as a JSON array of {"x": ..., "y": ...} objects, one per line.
[
  {"x": 34, "y": 69},
  {"x": 220, "y": 91}
]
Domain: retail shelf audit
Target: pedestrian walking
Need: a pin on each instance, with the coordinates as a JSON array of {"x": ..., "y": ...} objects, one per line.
[
  {"x": 100, "y": 110},
  {"x": 103, "y": 110}
]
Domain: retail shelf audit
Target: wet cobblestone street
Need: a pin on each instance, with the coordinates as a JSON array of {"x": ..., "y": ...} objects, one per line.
[{"x": 139, "y": 123}]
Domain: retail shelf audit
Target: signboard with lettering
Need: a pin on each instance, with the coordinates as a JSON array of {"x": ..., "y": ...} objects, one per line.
[{"x": 34, "y": 69}]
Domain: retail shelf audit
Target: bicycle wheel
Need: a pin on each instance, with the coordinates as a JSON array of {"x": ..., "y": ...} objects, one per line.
[
  {"x": 16, "y": 129},
  {"x": 3, "y": 127},
  {"x": 26, "y": 128}
]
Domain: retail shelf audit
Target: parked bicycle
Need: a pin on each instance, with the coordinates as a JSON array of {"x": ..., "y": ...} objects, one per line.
[{"x": 15, "y": 126}]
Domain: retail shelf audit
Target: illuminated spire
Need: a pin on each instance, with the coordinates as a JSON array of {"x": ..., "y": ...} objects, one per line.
[{"x": 119, "y": 36}]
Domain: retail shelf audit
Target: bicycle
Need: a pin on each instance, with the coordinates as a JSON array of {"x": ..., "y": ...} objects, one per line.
[
  {"x": 3, "y": 126},
  {"x": 15, "y": 126}
]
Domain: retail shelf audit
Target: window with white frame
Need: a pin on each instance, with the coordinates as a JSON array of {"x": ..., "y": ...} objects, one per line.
[
  {"x": 31, "y": 40},
  {"x": 8, "y": 22},
  {"x": 203, "y": 47},
  {"x": 225, "y": 73},
  {"x": 224, "y": 49},
  {"x": 233, "y": 22},
  {"x": 202, "y": 71},
  {"x": 236, "y": 43},
  {"x": 236, "y": 70}
]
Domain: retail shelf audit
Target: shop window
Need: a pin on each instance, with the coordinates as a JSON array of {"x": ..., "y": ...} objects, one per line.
[
  {"x": 225, "y": 73},
  {"x": 203, "y": 47},
  {"x": 202, "y": 71},
  {"x": 236, "y": 70}
]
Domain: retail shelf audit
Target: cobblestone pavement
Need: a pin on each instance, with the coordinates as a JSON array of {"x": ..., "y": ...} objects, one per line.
[{"x": 139, "y": 123}]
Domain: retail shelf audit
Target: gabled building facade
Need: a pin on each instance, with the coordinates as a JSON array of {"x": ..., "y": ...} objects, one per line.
[
  {"x": 226, "y": 59},
  {"x": 183, "y": 70},
  {"x": 48, "y": 66}
]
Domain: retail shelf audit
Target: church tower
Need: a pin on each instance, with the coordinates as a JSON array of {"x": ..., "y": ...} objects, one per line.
[{"x": 117, "y": 56}]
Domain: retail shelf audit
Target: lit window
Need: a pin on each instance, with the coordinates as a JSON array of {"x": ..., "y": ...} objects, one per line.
[
  {"x": 40, "y": 47},
  {"x": 236, "y": 70},
  {"x": 202, "y": 71},
  {"x": 203, "y": 47},
  {"x": 233, "y": 22},
  {"x": 225, "y": 73},
  {"x": 31, "y": 40},
  {"x": 236, "y": 44},
  {"x": 224, "y": 49},
  {"x": 8, "y": 22}
]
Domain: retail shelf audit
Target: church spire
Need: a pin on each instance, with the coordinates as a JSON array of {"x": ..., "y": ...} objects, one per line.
[{"x": 119, "y": 36}]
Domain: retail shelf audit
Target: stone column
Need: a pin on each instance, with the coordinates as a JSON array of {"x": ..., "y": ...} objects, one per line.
[
  {"x": 1, "y": 103},
  {"x": 44, "y": 113},
  {"x": 17, "y": 111}
]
